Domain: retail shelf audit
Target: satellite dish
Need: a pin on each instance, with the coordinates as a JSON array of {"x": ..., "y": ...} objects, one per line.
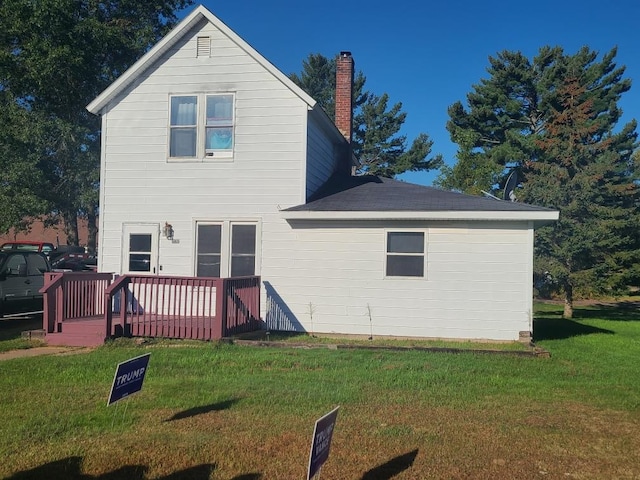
[{"x": 510, "y": 187}]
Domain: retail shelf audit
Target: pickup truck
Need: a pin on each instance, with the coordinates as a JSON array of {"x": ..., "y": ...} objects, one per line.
[{"x": 21, "y": 278}]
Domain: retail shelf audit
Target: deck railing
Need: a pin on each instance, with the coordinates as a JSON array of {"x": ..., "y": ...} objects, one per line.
[
  {"x": 72, "y": 296},
  {"x": 154, "y": 306}
]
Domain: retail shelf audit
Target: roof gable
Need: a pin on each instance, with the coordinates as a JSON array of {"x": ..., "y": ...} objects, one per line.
[{"x": 173, "y": 37}]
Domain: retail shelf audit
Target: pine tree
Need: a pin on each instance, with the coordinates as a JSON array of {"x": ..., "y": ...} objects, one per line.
[
  {"x": 586, "y": 171},
  {"x": 505, "y": 114},
  {"x": 554, "y": 119}
]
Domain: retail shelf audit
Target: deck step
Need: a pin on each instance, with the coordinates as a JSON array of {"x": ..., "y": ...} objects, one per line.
[
  {"x": 74, "y": 339},
  {"x": 78, "y": 333}
]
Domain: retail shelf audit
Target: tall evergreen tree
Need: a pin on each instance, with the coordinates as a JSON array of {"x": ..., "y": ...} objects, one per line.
[
  {"x": 505, "y": 114},
  {"x": 377, "y": 143},
  {"x": 55, "y": 57},
  {"x": 555, "y": 120}
]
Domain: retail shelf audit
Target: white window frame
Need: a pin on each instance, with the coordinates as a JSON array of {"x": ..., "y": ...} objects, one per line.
[
  {"x": 425, "y": 237},
  {"x": 202, "y": 153},
  {"x": 226, "y": 243}
]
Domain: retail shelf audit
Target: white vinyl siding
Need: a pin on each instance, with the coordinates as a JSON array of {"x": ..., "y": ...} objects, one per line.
[
  {"x": 479, "y": 282},
  {"x": 322, "y": 158}
]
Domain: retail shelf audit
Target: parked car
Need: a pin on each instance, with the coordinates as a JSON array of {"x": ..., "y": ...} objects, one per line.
[
  {"x": 21, "y": 278},
  {"x": 63, "y": 257}
]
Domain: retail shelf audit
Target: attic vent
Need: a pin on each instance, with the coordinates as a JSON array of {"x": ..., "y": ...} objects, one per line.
[{"x": 204, "y": 47}]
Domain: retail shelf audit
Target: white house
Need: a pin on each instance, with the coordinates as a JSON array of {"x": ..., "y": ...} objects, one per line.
[{"x": 215, "y": 164}]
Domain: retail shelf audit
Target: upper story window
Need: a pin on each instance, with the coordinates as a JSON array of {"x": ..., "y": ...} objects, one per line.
[
  {"x": 201, "y": 126},
  {"x": 219, "y": 123},
  {"x": 405, "y": 254},
  {"x": 184, "y": 127}
]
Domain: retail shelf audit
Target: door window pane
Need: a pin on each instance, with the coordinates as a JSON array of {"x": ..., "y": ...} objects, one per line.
[
  {"x": 243, "y": 250},
  {"x": 209, "y": 250},
  {"x": 244, "y": 239},
  {"x": 140, "y": 242},
  {"x": 139, "y": 262},
  {"x": 140, "y": 252}
]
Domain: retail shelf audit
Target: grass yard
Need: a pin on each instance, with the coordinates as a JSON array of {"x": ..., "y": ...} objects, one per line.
[{"x": 211, "y": 411}]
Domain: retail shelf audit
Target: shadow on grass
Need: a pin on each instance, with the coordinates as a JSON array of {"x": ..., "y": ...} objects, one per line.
[
  {"x": 192, "y": 412},
  {"x": 623, "y": 311},
  {"x": 391, "y": 468},
  {"x": 559, "y": 328},
  {"x": 70, "y": 469},
  {"x": 620, "y": 311}
]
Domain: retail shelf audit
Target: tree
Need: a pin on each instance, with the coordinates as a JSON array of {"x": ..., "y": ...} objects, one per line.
[
  {"x": 505, "y": 114},
  {"x": 554, "y": 119},
  {"x": 376, "y": 141},
  {"x": 55, "y": 57}
]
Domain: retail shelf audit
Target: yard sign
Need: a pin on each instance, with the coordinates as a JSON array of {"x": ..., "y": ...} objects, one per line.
[
  {"x": 128, "y": 378},
  {"x": 321, "y": 442}
]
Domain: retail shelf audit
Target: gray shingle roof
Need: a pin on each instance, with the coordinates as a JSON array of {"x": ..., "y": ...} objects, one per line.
[{"x": 371, "y": 193}]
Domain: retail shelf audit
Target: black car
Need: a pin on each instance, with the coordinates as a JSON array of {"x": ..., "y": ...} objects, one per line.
[{"x": 21, "y": 278}]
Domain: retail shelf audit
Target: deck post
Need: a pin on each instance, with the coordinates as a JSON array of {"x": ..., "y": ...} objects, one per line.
[
  {"x": 108, "y": 313},
  {"x": 220, "y": 320}
]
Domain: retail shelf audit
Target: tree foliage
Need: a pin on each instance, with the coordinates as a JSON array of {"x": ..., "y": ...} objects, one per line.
[
  {"x": 554, "y": 119},
  {"x": 377, "y": 141},
  {"x": 55, "y": 57}
]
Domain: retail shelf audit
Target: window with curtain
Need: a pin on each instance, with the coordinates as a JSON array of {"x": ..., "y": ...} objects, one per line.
[
  {"x": 184, "y": 126},
  {"x": 405, "y": 254},
  {"x": 201, "y": 126},
  {"x": 219, "y": 123}
]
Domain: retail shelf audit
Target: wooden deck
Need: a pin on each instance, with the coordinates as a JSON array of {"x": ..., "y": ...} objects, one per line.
[{"x": 85, "y": 309}]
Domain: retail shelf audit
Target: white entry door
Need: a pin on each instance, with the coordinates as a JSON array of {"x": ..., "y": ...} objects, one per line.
[{"x": 140, "y": 248}]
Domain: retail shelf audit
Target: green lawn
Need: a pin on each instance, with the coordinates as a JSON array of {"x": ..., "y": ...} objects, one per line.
[{"x": 238, "y": 412}]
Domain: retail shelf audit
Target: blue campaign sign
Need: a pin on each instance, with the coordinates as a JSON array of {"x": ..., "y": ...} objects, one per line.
[
  {"x": 321, "y": 442},
  {"x": 129, "y": 377}
]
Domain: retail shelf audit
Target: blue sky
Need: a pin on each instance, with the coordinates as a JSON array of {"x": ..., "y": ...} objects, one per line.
[{"x": 428, "y": 55}]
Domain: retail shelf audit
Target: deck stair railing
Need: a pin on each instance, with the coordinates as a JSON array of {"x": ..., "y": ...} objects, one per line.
[{"x": 69, "y": 296}]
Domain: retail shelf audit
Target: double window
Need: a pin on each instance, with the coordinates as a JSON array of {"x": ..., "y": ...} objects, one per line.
[
  {"x": 405, "y": 254},
  {"x": 201, "y": 126},
  {"x": 226, "y": 249}
]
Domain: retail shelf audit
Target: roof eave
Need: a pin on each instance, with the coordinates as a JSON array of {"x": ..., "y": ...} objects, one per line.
[{"x": 538, "y": 217}]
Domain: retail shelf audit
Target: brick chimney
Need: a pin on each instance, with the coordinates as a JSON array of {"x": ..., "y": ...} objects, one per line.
[{"x": 344, "y": 87}]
